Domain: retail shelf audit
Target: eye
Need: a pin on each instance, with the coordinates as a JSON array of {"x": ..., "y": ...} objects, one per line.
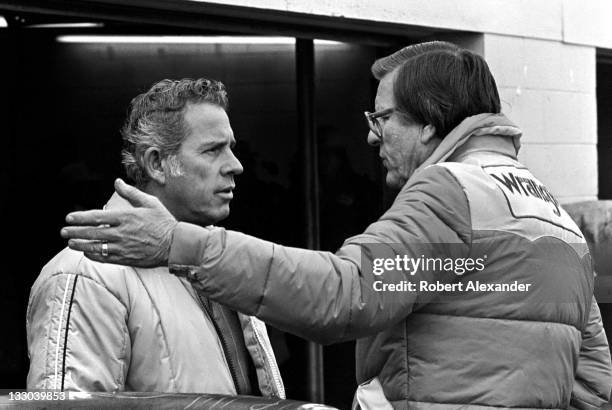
[
  {"x": 213, "y": 150},
  {"x": 385, "y": 117}
]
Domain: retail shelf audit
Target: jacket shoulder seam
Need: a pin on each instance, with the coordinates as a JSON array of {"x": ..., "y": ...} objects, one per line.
[
  {"x": 447, "y": 169},
  {"x": 467, "y": 201},
  {"x": 265, "y": 284},
  {"x": 83, "y": 275}
]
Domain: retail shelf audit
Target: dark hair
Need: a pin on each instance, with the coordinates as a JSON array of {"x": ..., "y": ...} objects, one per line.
[
  {"x": 156, "y": 119},
  {"x": 385, "y": 65},
  {"x": 443, "y": 87}
]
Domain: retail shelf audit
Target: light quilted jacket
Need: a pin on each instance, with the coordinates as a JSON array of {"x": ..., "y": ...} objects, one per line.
[{"x": 104, "y": 327}]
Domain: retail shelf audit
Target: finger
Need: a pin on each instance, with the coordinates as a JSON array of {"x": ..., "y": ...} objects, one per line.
[
  {"x": 86, "y": 246},
  {"x": 93, "y": 217},
  {"x": 97, "y": 233},
  {"x": 134, "y": 195},
  {"x": 104, "y": 259},
  {"x": 114, "y": 259},
  {"x": 96, "y": 257}
]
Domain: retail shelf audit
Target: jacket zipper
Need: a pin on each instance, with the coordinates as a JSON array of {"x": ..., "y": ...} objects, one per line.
[
  {"x": 228, "y": 359},
  {"x": 271, "y": 362}
]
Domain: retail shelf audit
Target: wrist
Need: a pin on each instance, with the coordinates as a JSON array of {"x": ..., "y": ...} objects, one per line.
[{"x": 186, "y": 250}]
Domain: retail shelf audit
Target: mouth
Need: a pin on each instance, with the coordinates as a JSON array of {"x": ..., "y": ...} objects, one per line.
[{"x": 227, "y": 192}]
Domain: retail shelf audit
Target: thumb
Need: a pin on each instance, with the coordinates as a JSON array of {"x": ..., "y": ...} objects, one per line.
[{"x": 134, "y": 195}]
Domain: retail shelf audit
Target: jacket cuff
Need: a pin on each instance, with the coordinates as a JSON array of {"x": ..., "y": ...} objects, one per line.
[{"x": 187, "y": 249}]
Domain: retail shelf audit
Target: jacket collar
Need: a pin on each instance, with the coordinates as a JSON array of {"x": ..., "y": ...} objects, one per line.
[{"x": 482, "y": 132}]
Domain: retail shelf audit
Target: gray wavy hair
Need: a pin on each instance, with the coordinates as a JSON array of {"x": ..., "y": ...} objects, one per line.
[{"x": 156, "y": 119}]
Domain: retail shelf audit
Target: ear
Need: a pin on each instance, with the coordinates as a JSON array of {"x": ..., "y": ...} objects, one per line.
[
  {"x": 154, "y": 165},
  {"x": 428, "y": 133}
]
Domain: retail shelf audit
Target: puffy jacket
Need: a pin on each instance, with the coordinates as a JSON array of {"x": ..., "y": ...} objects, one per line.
[
  {"x": 540, "y": 348},
  {"x": 102, "y": 327}
]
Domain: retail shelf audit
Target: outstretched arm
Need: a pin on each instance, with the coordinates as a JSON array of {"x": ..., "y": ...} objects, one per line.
[{"x": 318, "y": 295}]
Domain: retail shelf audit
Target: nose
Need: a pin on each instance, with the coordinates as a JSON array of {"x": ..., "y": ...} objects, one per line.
[
  {"x": 373, "y": 139},
  {"x": 233, "y": 166}
]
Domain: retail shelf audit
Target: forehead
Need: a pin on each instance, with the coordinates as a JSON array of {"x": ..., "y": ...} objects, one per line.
[
  {"x": 207, "y": 122},
  {"x": 384, "y": 93}
]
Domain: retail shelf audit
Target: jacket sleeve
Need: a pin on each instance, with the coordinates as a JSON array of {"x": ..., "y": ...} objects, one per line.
[
  {"x": 329, "y": 297},
  {"x": 77, "y": 335},
  {"x": 593, "y": 380}
]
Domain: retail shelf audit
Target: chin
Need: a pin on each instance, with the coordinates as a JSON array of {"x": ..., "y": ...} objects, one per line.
[
  {"x": 208, "y": 217},
  {"x": 393, "y": 182},
  {"x": 220, "y": 214}
]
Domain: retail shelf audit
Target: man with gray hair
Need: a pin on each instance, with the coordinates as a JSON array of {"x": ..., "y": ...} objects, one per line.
[{"x": 97, "y": 327}]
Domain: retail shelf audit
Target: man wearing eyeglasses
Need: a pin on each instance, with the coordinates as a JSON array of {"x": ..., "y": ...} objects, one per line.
[{"x": 474, "y": 288}]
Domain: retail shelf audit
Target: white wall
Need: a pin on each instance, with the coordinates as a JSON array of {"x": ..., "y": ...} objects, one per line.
[{"x": 548, "y": 89}]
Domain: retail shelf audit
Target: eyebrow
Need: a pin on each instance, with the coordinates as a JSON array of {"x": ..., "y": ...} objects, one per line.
[
  {"x": 381, "y": 113},
  {"x": 211, "y": 144},
  {"x": 217, "y": 143}
]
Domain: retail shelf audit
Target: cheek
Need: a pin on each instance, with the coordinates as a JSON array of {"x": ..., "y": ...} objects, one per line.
[
  {"x": 392, "y": 136},
  {"x": 200, "y": 177},
  {"x": 391, "y": 147}
]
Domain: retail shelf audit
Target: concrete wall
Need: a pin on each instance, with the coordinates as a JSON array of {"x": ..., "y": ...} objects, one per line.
[
  {"x": 548, "y": 89},
  {"x": 588, "y": 22}
]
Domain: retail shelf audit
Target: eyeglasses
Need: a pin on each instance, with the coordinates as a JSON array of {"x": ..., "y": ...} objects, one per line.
[{"x": 374, "y": 123}]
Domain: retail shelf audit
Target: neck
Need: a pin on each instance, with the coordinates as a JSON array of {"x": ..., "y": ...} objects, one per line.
[
  {"x": 159, "y": 191},
  {"x": 152, "y": 188}
]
